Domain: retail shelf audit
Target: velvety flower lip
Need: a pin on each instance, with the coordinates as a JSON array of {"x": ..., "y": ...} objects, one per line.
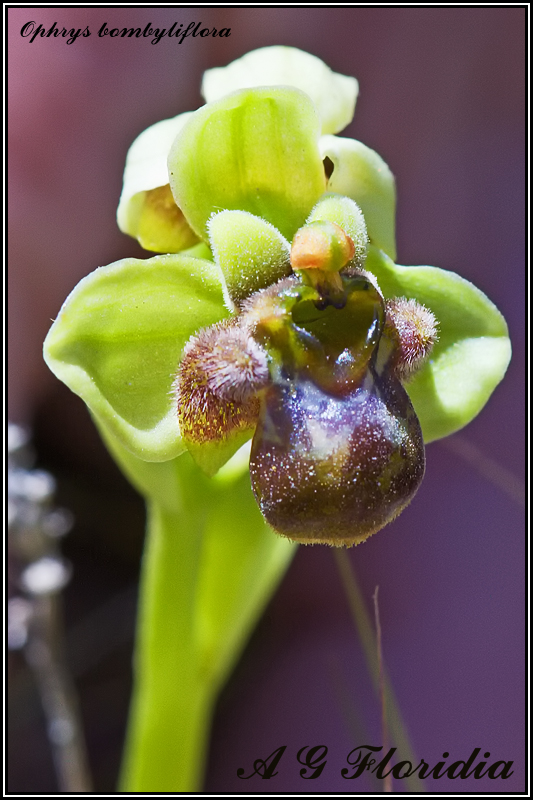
[{"x": 337, "y": 450}]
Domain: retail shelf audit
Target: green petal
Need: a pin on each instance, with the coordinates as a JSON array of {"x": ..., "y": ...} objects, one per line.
[
  {"x": 118, "y": 339},
  {"x": 146, "y": 209},
  {"x": 251, "y": 253},
  {"x": 334, "y": 95},
  {"x": 472, "y": 353},
  {"x": 256, "y": 151},
  {"x": 360, "y": 173}
]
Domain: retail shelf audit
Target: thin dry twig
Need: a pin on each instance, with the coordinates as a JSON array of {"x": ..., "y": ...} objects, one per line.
[
  {"x": 384, "y": 725},
  {"x": 367, "y": 638},
  {"x": 487, "y": 467}
]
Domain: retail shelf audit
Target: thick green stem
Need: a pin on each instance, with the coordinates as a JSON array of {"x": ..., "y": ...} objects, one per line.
[
  {"x": 210, "y": 566},
  {"x": 171, "y": 710}
]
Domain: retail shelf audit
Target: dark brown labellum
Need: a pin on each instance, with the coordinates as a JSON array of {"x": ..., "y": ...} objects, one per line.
[
  {"x": 338, "y": 451},
  {"x": 335, "y": 470}
]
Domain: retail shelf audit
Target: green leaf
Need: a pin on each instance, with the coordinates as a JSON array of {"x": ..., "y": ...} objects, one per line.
[
  {"x": 250, "y": 252},
  {"x": 334, "y": 95},
  {"x": 360, "y": 173},
  {"x": 255, "y": 150},
  {"x": 241, "y": 567},
  {"x": 157, "y": 482},
  {"x": 473, "y": 350},
  {"x": 146, "y": 210},
  {"x": 118, "y": 339},
  {"x": 205, "y": 582}
]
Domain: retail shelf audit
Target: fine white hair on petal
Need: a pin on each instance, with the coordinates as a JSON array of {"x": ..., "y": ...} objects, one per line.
[
  {"x": 234, "y": 366},
  {"x": 413, "y": 330},
  {"x": 221, "y": 371},
  {"x": 237, "y": 366}
]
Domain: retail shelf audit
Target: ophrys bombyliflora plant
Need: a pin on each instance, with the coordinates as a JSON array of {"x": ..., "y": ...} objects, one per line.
[{"x": 276, "y": 312}]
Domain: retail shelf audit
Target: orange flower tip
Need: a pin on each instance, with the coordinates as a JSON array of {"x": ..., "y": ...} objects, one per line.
[
  {"x": 412, "y": 330},
  {"x": 321, "y": 245}
]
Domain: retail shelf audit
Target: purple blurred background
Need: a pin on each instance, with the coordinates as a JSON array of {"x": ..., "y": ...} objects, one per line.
[{"x": 442, "y": 100}]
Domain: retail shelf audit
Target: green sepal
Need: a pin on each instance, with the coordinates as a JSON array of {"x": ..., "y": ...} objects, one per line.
[
  {"x": 472, "y": 352},
  {"x": 360, "y": 173},
  {"x": 251, "y": 253},
  {"x": 118, "y": 339},
  {"x": 255, "y": 150}
]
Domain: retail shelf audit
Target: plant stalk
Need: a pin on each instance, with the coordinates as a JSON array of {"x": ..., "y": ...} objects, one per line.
[{"x": 172, "y": 704}]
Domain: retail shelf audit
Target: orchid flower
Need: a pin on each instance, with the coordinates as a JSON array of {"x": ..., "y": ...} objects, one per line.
[{"x": 275, "y": 311}]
